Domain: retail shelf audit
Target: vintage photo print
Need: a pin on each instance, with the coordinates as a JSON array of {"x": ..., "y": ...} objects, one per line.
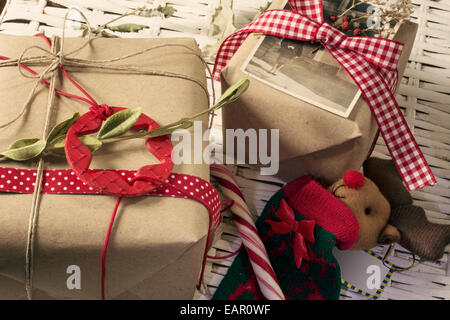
[{"x": 304, "y": 71}]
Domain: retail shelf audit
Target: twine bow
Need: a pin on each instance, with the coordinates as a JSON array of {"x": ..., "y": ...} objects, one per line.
[
  {"x": 372, "y": 64},
  {"x": 304, "y": 231}
]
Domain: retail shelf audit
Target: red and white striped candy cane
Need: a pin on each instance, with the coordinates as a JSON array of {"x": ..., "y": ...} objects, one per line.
[{"x": 267, "y": 280}]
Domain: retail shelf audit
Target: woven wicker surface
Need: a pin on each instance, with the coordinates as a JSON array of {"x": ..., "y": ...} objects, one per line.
[{"x": 424, "y": 95}]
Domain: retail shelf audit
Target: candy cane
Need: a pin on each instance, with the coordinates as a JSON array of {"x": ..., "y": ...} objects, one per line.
[{"x": 256, "y": 251}]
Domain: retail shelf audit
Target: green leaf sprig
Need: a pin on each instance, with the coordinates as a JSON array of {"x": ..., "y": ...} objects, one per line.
[
  {"x": 119, "y": 123},
  {"x": 113, "y": 129},
  {"x": 24, "y": 149}
]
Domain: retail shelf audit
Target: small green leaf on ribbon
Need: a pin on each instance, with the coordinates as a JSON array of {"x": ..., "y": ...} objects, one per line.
[
  {"x": 25, "y": 149},
  {"x": 119, "y": 123},
  {"x": 61, "y": 128},
  {"x": 57, "y": 145}
]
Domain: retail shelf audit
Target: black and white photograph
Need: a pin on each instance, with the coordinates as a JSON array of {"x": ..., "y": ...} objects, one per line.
[{"x": 305, "y": 71}]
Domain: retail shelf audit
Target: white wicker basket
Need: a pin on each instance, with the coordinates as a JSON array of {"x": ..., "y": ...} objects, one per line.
[{"x": 424, "y": 95}]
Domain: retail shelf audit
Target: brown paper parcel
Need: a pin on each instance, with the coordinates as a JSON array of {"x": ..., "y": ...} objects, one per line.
[
  {"x": 157, "y": 243},
  {"x": 312, "y": 140}
]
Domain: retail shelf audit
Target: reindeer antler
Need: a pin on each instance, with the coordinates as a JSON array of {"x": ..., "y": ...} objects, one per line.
[
  {"x": 418, "y": 235},
  {"x": 386, "y": 177},
  {"x": 427, "y": 240}
]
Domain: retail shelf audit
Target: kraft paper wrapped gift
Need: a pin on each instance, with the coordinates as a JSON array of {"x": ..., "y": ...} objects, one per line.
[
  {"x": 312, "y": 140},
  {"x": 157, "y": 243}
]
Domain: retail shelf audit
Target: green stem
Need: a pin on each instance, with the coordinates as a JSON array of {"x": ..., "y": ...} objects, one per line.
[
  {"x": 162, "y": 131},
  {"x": 236, "y": 90},
  {"x": 119, "y": 17},
  {"x": 137, "y": 135},
  {"x": 228, "y": 96}
]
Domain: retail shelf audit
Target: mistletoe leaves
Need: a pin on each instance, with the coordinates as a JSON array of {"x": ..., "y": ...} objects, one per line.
[
  {"x": 119, "y": 123},
  {"x": 112, "y": 130},
  {"x": 57, "y": 145},
  {"x": 62, "y": 128},
  {"x": 232, "y": 93},
  {"x": 24, "y": 149},
  {"x": 116, "y": 125},
  {"x": 92, "y": 143}
]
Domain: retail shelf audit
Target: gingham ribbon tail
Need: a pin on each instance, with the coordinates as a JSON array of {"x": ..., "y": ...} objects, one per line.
[{"x": 372, "y": 64}]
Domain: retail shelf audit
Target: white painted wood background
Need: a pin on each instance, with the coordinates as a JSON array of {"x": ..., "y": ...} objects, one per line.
[{"x": 424, "y": 96}]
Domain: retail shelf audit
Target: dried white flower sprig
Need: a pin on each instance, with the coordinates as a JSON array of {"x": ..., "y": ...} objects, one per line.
[
  {"x": 380, "y": 19},
  {"x": 392, "y": 13},
  {"x": 105, "y": 30}
]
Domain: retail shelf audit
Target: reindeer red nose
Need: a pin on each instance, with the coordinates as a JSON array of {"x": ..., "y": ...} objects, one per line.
[{"x": 353, "y": 179}]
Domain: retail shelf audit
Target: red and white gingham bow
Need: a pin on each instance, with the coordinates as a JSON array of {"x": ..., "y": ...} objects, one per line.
[{"x": 372, "y": 64}]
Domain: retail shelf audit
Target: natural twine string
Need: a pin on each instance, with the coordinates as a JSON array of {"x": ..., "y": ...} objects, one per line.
[
  {"x": 55, "y": 59},
  {"x": 29, "y": 258}
]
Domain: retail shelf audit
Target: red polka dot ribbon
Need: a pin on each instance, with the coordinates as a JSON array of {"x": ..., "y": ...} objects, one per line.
[
  {"x": 65, "y": 181},
  {"x": 372, "y": 64}
]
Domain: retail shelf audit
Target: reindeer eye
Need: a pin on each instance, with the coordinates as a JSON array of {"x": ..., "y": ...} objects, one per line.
[{"x": 368, "y": 211}]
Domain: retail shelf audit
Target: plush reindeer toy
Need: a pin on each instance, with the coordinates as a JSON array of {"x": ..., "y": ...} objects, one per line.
[{"x": 304, "y": 221}]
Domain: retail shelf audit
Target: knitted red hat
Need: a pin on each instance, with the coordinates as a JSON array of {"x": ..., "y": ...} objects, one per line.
[{"x": 307, "y": 196}]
